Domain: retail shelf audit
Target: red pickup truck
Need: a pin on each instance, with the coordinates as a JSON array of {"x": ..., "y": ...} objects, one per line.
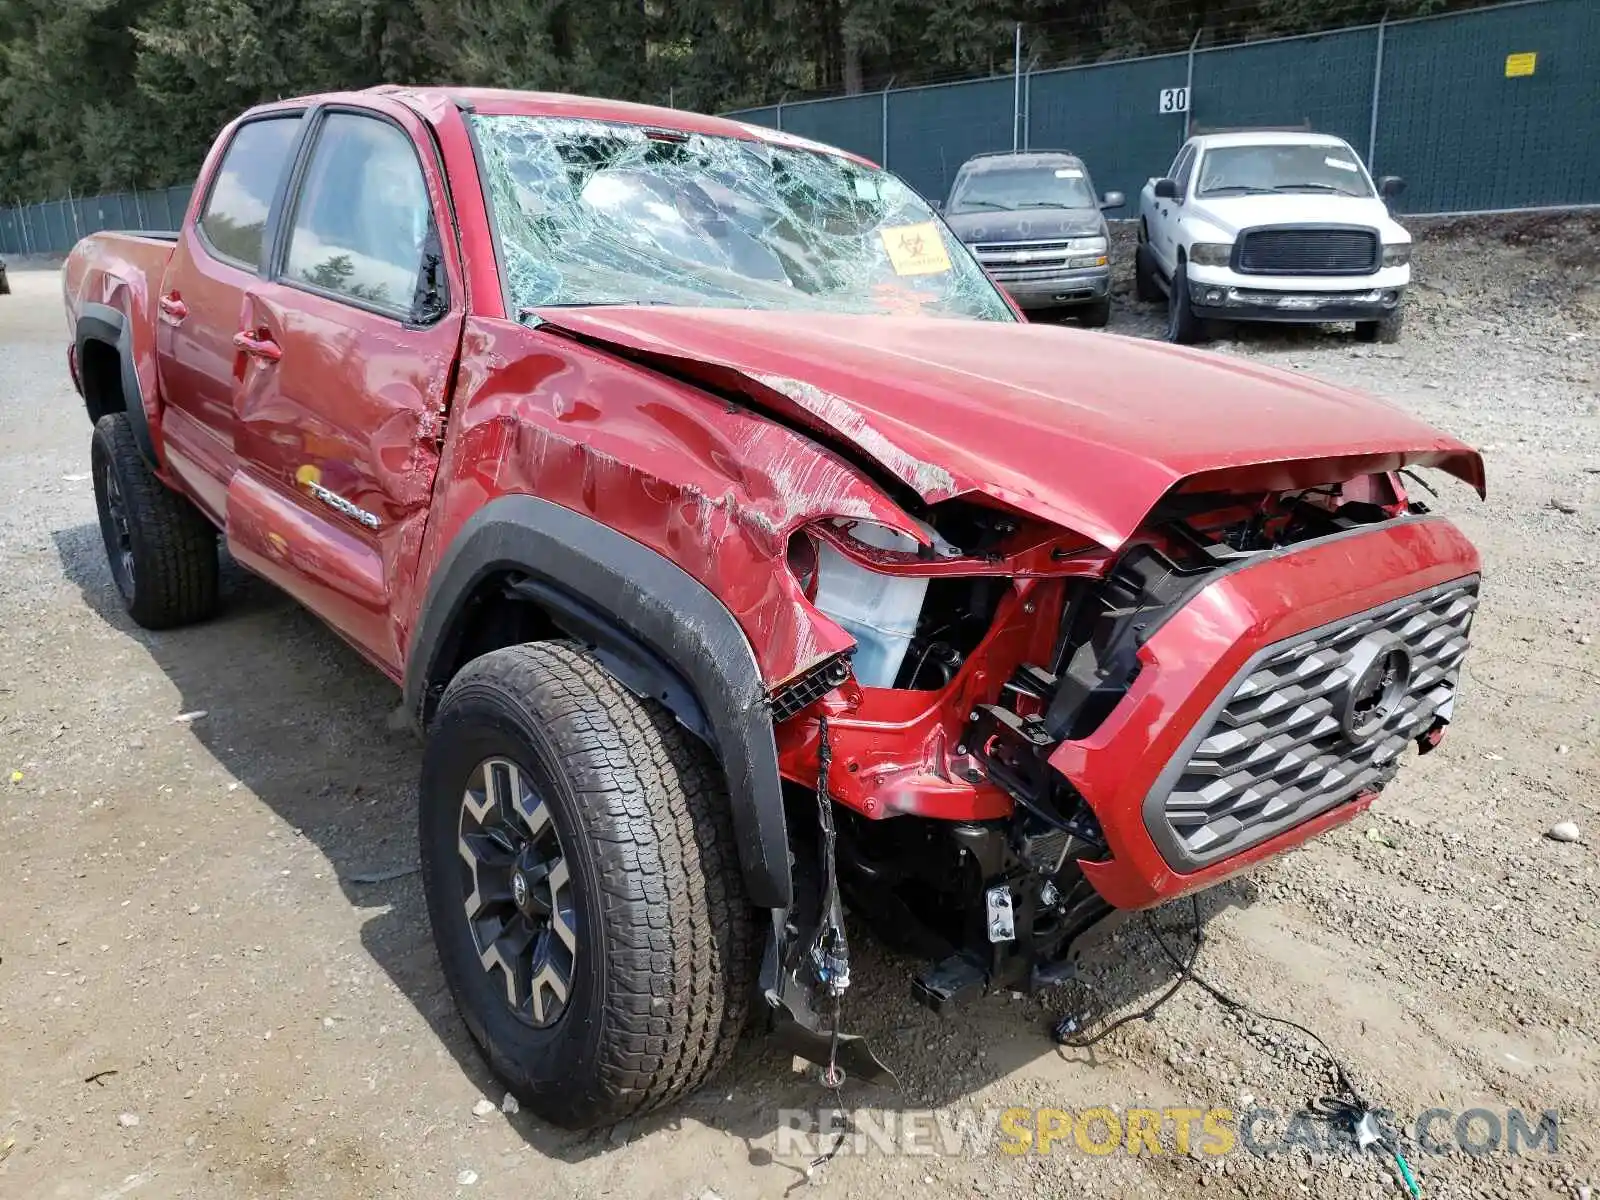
[{"x": 743, "y": 555}]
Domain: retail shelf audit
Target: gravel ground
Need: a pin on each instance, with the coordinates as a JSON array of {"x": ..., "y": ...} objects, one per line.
[{"x": 199, "y": 996}]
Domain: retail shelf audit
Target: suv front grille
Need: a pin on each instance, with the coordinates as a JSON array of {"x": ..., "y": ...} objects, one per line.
[
  {"x": 1311, "y": 722},
  {"x": 1292, "y": 251},
  {"x": 1016, "y": 262}
]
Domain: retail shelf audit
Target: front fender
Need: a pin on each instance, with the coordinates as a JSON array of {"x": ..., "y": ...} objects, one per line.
[{"x": 655, "y": 603}]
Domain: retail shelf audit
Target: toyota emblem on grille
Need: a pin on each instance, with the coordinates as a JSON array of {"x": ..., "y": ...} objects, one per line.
[{"x": 1384, "y": 677}]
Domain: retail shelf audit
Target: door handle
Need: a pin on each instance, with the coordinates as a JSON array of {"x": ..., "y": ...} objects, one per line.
[
  {"x": 258, "y": 344},
  {"x": 172, "y": 306}
]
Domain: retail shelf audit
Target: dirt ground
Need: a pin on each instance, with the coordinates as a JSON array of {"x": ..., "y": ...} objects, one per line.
[{"x": 199, "y": 998}]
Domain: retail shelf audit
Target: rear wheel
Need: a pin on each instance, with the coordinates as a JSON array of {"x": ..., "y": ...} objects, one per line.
[
  {"x": 161, "y": 550},
  {"x": 583, "y": 885}
]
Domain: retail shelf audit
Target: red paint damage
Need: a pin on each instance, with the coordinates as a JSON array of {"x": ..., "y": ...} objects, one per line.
[{"x": 1075, "y": 428}]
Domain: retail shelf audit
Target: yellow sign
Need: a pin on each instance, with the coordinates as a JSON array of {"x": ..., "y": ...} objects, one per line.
[
  {"x": 1518, "y": 65},
  {"x": 915, "y": 249}
]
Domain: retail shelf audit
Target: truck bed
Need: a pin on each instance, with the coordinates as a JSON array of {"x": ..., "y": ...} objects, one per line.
[{"x": 114, "y": 280}]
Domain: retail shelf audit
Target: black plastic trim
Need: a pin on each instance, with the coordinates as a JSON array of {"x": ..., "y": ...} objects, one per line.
[
  {"x": 645, "y": 600},
  {"x": 625, "y": 658},
  {"x": 102, "y": 323}
]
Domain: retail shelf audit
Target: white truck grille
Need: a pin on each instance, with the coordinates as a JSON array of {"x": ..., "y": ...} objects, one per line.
[{"x": 1310, "y": 722}]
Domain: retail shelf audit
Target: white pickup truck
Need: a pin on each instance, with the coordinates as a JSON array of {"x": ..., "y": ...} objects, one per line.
[{"x": 1272, "y": 226}]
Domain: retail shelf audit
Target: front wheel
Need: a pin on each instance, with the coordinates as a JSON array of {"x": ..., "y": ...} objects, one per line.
[
  {"x": 1145, "y": 288},
  {"x": 583, "y": 884},
  {"x": 1096, "y": 314},
  {"x": 1183, "y": 326},
  {"x": 1385, "y": 329}
]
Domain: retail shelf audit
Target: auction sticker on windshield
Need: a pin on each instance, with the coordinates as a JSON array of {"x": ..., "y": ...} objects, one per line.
[{"x": 915, "y": 249}]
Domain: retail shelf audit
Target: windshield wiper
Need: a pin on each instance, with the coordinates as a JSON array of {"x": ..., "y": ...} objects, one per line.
[
  {"x": 1314, "y": 186},
  {"x": 994, "y": 204},
  {"x": 1047, "y": 204},
  {"x": 1241, "y": 189}
]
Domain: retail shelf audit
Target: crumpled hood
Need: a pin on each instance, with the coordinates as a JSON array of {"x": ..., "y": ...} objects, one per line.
[
  {"x": 1086, "y": 430},
  {"x": 1027, "y": 225}
]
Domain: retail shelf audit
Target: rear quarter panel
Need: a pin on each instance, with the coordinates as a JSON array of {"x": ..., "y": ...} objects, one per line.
[{"x": 122, "y": 271}]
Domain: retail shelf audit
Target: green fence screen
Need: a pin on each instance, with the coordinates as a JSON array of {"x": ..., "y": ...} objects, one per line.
[{"x": 1490, "y": 109}]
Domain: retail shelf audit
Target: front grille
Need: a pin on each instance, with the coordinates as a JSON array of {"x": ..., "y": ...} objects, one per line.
[
  {"x": 1016, "y": 262},
  {"x": 1292, "y": 251},
  {"x": 1311, "y": 722}
]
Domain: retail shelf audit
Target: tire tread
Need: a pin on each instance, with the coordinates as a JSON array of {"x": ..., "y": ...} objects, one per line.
[{"x": 174, "y": 545}]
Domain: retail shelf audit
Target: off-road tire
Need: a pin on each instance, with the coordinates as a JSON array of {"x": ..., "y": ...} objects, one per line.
[
  {"x": 1183, "y": 327},
  {"x": 1145, "y": 288},
  {"x": 1387, "y": 329},
  {"x": 1096, "y": 314},
  {"x": 170, "y": 545},
  {"x": 664, "y": 964}
]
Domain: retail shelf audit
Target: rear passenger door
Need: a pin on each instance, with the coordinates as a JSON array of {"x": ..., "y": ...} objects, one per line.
[
  {"x": 220, "y": 255},
  {"x": 350, "y": 344}
]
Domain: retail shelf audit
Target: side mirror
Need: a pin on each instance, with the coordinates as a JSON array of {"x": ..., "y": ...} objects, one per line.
[
  {"x": 1113, "y": 200},
  {"x": 1390, "y": 186},
  {"x": 1166, "y": 189}
]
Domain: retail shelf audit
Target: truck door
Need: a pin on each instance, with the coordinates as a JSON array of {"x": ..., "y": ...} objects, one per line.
[
  {"x": 1169, "y": 213},
  {"x": 219, "y": 256},
  {"x": 350, "y": 346}
]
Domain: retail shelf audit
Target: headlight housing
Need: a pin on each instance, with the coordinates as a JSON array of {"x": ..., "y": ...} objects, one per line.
[
  {"x": 1210, "y": 254},
  {"x": 1396, "y": 254},
  {"x": 1086, "y": 245}
]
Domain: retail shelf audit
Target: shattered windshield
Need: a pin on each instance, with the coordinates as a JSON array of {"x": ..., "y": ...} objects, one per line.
[{"x": 591, "y": 212}]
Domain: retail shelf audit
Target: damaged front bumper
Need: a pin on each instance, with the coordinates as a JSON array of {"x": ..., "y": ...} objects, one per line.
[{"x": 1269, "y": 705}]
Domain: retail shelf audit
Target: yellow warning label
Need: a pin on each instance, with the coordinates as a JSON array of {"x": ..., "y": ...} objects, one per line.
[
  {"x": 1518, "y": 65},
  {"x": 915, "y": 249}
]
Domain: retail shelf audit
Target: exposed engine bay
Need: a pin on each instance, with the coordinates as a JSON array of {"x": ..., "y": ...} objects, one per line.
[{"x": 974, "y": 853}]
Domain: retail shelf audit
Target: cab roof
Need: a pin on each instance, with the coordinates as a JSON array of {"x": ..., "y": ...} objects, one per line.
[
  {"x": 1266, "y": 137},
  {"x": 1000, "y": 160},
  {"x": 434, "y": 103}
]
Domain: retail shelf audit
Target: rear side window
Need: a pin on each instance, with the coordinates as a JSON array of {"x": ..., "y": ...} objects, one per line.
[
  {"x": 362, "y": 217},
  {"x": 235, "y": 216}
]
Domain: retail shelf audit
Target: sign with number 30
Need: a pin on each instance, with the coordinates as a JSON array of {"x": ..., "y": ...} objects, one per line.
[{"x": 1174, "y": 100}]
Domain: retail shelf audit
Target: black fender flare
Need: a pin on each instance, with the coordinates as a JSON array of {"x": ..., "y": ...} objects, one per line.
[
  {"x": 102, "y": 323},
  {"x": 652, "y": 624}
]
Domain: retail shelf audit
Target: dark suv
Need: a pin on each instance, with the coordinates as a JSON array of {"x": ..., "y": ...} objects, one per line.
[{"x": 1035, "y": 222}]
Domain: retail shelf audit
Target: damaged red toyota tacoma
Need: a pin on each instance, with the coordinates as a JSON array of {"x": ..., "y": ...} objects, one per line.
[{"x": 744, "y": 556}]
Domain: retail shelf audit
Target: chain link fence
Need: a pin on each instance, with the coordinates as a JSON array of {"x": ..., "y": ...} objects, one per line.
[
  {"x": 1497, "y": 108},
  {"x": 53, "y": 227},
  {"x": 1491, "y": 109}
]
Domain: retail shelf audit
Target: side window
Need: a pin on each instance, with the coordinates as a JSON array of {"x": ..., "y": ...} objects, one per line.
[
  {"x": 1185, "y": 169},
  {"x": 235, "y": 216},
  {"x": 1177, "y": 163},
  {"x": 362, "y": 215}
]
